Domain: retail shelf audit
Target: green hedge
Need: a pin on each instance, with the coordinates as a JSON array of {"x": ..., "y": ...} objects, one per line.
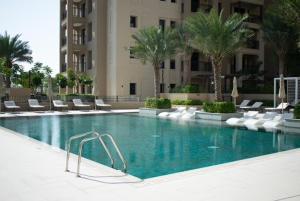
[
  {"x": 160, "y": 103},
  {"x": 187, "y": 102},
  {"x": 84, "y": 97},
  {"x": 297, "y": 111},
  {"x": 219, "y": 107}
]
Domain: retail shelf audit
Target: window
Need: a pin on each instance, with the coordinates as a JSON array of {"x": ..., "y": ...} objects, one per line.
[
  {"x": 133, "y": 21},
  {"x": 182, "y": 7},
  {"x": 172, "y": 24},
  {"x": 173, "y": 1},
  {"x": 132, "y": 88},
  {"x": 90, "y": 31},
  {"x": 162, "y": 88},
  {"x": 182, "y": 65},
  {"x": 90, "y": 60},
  {"x": 83, "y": 10},
  {"x": 172, "y": 64},
  {"x": 162, "y": 65},
  {"x": 90, "y": 6},
  {"x": 194, "y": 5},
  {"x": 195, "y": 61},
  {"x": 172, "y": 87},
  {"x": 162, "y": 24},
  {"x": 131, "y": 55}
]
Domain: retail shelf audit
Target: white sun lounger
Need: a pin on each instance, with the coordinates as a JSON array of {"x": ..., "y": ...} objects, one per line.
[
  {"x": 100, "y": 103},
  {"x": 244, "y": 103},
  {"x": 166, "y": 114},
  {"x": 281, "y": 106},
  {"x": 189, "y": 114},
  {"x": 239, "y": 122},
  {"x": 34, "y": 104},
  {"x": 78, "y": 103},
  {"x": 59, "y": 104},
  {"x": 255, "y": 106},
  {"x": 274, "y": 123},
  {"x": 255, "y": 124},
  {"x": 11, "y": 105}
]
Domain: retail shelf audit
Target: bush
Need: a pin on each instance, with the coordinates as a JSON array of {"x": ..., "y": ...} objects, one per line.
[
  {"x": 160, "y": 103},
  {"x": 297, "y": 111},
  {"x": 186, "y": 89},
  {"x": 187, "y": 102},
  {"x": 219, "y": 107}
]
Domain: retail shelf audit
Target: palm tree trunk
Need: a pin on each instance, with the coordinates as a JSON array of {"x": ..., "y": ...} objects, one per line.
[
  {"x": 217, "y": 80},
  {"x": 156, "y": 81},
  {"x": 281, "y": 65},
  {"x": 187, "y": 70},
  {"x": 7, "y": 77}
]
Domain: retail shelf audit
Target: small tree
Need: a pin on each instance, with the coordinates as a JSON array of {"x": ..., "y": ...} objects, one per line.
[
  {"x": 155, "y": 45},
  {"x": 62, "y": 81},
  {"x": 217, "y": 38},
  {"x": 71, "y": 76}
]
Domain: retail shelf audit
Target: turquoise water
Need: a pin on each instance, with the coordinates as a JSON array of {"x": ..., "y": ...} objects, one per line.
[{"x": 155, "y": 147}]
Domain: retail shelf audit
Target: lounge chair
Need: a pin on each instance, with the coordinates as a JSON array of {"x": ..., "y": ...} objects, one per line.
[
  {"x": 34, "y": 104},
  {"x": 101, "y": 104},
  {"x": 189, "y": 114},
  {"x": 281, "y": 106},
  {"x": 78, "y": 103},
  {"x": 11, "y": 105},
  {"x": 255, "y": 106},
  {"x": 166, "y": 114},
  {"x": 59, "y": 104},
  {"x": 255, "y": 124},
  {"x": 244, "y": 103},
  {"x": 239, "y": 122}
]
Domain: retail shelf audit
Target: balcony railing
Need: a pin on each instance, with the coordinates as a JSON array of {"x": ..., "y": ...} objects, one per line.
[{"x": 78, "y": 39}]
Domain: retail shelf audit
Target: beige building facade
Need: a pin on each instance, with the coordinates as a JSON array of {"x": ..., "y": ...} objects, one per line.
[{"x": 96, "y": 38}]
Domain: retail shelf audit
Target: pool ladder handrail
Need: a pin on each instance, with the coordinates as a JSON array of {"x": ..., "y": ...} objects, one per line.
[{"x": 94, "y": 135}]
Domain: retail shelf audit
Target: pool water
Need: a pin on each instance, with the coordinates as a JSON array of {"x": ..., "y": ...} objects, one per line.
[{"x": 152, "y": 146}]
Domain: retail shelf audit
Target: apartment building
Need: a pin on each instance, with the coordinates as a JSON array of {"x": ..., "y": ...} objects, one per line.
[{"x": 96, "y": 38}]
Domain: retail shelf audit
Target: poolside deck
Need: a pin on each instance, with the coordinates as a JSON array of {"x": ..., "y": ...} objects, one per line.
[{"x": 31, "y": 170}]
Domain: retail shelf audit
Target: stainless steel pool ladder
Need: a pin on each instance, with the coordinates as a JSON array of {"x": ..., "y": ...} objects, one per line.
[{"x": 90, "y": 136}]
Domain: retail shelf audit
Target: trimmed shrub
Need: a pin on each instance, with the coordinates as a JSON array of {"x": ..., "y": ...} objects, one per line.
[
  {"x": 160, "y": 103},
  {"x": 187, "y": 102},
  {"x": 297, "y": 111},
  {"x": 219, "y": 107}
]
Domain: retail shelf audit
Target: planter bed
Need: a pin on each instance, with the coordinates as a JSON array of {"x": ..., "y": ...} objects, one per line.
[
  {"x": 217, "y": 116},
  {"x": 152, "y": 111}
]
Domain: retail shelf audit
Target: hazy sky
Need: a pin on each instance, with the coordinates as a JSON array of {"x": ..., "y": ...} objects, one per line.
[{"x": 38, "y": 22}]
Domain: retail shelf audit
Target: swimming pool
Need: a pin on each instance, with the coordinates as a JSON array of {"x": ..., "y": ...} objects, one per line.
[{"x": 155, "y": 147}]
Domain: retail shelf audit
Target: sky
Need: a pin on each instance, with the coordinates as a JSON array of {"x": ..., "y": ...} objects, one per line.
[{"x": 38, "y": 22}]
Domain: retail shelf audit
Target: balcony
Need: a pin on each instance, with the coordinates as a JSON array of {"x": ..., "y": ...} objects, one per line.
[
  {"x": 63, "y": 68},
  {"x": 252, "y": 44},
  {"x": 254, "y": 11},
  {"x": 78, "y": 16},
  {"x": 79, "y": 66},
  {"x": 201, "y": 67},
  {"x": 64, "y": 15},
  {"x": 63, "y": 41}
]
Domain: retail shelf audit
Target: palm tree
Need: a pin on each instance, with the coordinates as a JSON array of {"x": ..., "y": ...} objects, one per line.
[
  {"x": 186, "y": 50},
  {"x": 155, "y": 45},
  {"x": 280, "y": 30},
  {"x": 13, "y": 50},
  {"x": 217, "y": 38}
]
